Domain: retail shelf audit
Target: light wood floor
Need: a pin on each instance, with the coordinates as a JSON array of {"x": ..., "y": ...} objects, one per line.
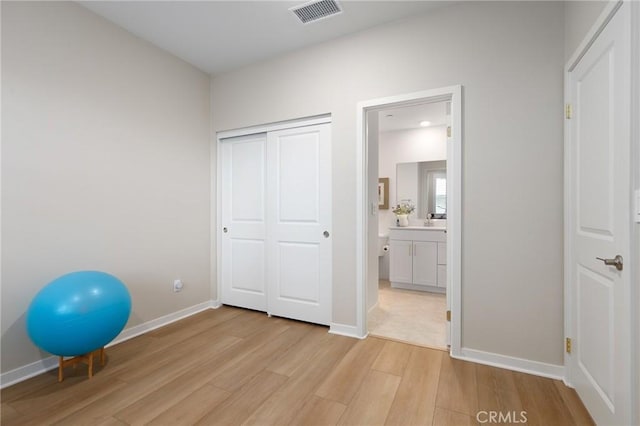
[{"x": 231, "y": 366}]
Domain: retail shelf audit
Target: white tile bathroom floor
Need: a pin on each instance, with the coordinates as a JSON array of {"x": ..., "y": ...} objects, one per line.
[{"x": 408, "y": 316}]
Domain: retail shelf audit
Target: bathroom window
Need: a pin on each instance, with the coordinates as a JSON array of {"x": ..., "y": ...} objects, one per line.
[{"x": 440, "y": 194}]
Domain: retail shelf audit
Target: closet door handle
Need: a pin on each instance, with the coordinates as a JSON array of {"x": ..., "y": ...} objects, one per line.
[
  {"x": 326, "y": 234},
  {"x": 225, "y": 230}
]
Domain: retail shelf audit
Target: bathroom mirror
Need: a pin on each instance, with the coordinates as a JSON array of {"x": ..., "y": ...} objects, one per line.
[{"x": 425, "y": 184}]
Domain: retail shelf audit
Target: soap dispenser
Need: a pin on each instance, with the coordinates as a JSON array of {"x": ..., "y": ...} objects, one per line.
[{"x": 427, "y": 222}]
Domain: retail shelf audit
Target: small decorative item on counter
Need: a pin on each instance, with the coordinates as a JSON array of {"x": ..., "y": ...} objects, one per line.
[{"x": 402, "y": 212}]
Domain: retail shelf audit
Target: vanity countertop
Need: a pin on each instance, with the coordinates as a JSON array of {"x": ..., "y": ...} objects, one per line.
[{"x": 419, "y": 228}]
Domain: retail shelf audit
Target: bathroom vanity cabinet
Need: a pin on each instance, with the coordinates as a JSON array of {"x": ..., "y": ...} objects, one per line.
[{"x": 418, "y": 258}]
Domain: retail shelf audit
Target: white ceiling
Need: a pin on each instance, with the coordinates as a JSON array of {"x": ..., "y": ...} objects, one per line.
[
  {"x": 219, "y": 36},
  {"x": 409, "y": 117}
]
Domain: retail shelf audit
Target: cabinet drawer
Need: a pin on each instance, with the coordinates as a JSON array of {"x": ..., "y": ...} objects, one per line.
[
  {"x": 424, "y": 234},
  {"x": 442, "y": 253}
]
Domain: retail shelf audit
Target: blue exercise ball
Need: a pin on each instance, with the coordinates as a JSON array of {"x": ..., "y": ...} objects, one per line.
[{"x": 78, "y": 313}]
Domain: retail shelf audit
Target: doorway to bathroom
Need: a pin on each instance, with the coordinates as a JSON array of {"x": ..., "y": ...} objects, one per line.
[
  {"x": 410, "y": 229},
  {"x": 412, "y": 162}
]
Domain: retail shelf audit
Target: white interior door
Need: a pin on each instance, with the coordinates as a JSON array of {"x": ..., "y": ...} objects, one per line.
[
  {"x": 599, "y": 147},
  {"x": 243, "y": 240},
  {"x": 299, "y": 211}
]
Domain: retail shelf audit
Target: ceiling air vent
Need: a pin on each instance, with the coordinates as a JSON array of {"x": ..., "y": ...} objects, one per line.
[{"x": 316, "y": 10}]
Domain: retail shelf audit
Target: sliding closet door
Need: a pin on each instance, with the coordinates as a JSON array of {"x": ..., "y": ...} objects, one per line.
[
  {"x": 299, "y": 225},
  {"x": 243, "y": 238}
]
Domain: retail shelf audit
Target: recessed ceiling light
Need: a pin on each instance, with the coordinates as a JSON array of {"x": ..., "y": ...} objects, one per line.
[{"x": 425, "y": 123}]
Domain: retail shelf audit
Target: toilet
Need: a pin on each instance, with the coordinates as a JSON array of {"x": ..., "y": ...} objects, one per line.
[
  {"x": 383, "y": 256},
  {"x": 383, "y": 240}
]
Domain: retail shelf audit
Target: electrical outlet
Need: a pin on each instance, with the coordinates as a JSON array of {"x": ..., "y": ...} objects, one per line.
[{"x": 177, "y": 286}]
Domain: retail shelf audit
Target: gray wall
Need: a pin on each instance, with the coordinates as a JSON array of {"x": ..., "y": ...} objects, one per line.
[
  {"x": 579, "y": 16},
  {"x": 509, "y": 57},
  {"x": 105, "y": 165}
]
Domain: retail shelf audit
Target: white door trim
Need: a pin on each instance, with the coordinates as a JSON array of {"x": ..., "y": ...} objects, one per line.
[
  {"x": 216, "y": 182},
  {"x": 454, "y": 212},
  {"x": 280, "y": 125},
  {"x": 635, "y": 227}
]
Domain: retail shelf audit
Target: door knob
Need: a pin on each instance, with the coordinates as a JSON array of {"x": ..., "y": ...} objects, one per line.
[
  {"x": 616, "y": 261},
  {"x": 326, "y": 234},
  {"x": 224, "y": 229}
]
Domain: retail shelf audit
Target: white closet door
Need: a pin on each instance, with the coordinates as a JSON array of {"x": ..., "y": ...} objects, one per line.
[
  {"x": 243, "y": 196},
  {"x": 299, "y": 211}
]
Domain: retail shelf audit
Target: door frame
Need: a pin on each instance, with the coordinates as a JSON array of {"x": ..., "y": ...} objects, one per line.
[
  {"x": 634, "y": 262},
  {"x": 454, "y": 203},
  {"x": 216, "y": 187}
]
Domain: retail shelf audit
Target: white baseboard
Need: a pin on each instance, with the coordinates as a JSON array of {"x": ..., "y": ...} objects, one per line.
[
  {"x": 27, "y": 371},
  {"x": 130, "y": 333},
  {"x": 345, "y": 330},
  {"x": 33, "y": 369},
  {"x": 522, "y": 365}
]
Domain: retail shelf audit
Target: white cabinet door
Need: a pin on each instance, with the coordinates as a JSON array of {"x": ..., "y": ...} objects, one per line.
[
  {"x": 442, "y": 276},
  {"x": 299, "y": 211},
  {"x": 442, "y": 253},
  {"x": 401, "y": 261},
  {"x": 442, "y": 265},
  {"x": 425, "y": 261},
  {"x": 243, "y": 217}
]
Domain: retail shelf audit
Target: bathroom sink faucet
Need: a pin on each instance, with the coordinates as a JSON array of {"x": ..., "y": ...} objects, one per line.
[{"x": 427, "y": 221}]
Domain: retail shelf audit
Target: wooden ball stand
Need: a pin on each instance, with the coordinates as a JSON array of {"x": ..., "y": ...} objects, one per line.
[{"x": 86, "y": 358}]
